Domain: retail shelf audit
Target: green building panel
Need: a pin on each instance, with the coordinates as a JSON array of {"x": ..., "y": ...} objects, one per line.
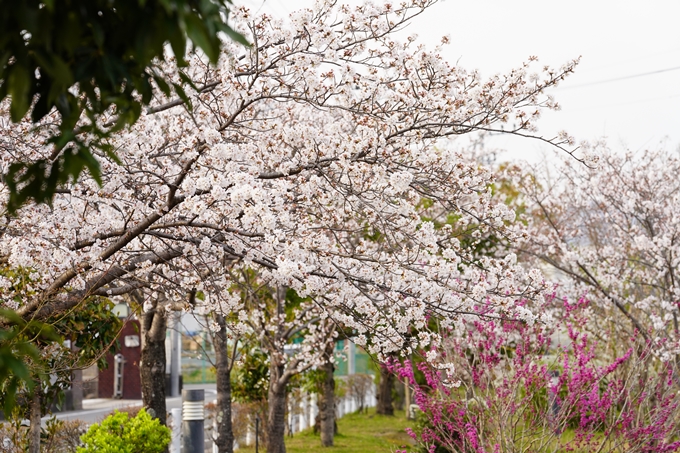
[{"x": 363, "y": 364}]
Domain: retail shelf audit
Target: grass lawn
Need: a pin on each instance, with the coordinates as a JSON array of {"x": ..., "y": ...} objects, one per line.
[{"x": 358, "y": 433}]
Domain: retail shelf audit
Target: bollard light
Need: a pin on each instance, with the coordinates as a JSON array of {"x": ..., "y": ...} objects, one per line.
[{"x": 193, "y": 436}]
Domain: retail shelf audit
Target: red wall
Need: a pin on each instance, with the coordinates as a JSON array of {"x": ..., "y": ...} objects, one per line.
[{"x": 132, "y": 388}]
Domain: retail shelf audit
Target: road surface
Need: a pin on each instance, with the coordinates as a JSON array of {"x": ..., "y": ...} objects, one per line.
[{"x": 95, "y": 410}]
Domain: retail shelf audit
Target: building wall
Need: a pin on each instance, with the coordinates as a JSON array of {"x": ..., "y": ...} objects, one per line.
[{"x": 132, "y": 387}]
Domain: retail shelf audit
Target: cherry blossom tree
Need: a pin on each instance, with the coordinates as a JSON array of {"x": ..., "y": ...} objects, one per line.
[
  {"x": 318, "y": 157},
  {"x": 293, "y": 158},
  {"x": 612, "y": 233},
  {"x": 296, "y": 335}
]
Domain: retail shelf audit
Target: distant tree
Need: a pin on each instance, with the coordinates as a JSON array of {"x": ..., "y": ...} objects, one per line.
[
  {"x": 612, "y": 233},
  {"x": 320, "y": 381},
  {"x": 359, "y": 386},
  {"x": 295, "y": 335}
]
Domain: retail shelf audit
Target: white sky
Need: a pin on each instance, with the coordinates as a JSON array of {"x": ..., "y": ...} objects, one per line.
[{"x": 615, "y": 39}]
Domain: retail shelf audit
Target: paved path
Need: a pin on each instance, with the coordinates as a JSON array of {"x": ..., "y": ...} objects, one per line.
[{"x": 95, "y": 410}]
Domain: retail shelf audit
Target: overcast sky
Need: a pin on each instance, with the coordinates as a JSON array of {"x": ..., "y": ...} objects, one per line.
[{"x": 627, "y": 87}]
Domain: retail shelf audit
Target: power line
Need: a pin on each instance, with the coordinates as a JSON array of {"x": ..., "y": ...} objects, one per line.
[
  {"x": 629, "y": 60},
  {"x": 658, "y": 71},
  {"x": 639, "y": 101}
]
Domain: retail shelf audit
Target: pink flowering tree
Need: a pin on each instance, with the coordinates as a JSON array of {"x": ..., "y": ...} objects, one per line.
[{"x": 516, "y": 388}]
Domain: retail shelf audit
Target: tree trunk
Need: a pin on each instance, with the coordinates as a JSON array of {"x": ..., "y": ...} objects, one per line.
[
  {"x": 152, "y": 367},
  {"x": 277, "y": 410},
  {"x": 225, "y": 433},
  {"x": 385, "y": 392},
  {"x": 35, "y": 415},
  {"x": 327, "y": 401}
]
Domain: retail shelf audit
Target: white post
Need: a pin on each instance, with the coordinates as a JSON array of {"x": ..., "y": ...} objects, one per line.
[
  {"x": 303, "y": 412},
  {"x": 313, "y": 409},
  {"x": 176, "y": 439},
  {"x": 249, "y": 434},
  {"x": 351, "y": 370},
  {"x": 215, "y": 449},
  {"x": 118, "y": 363}
]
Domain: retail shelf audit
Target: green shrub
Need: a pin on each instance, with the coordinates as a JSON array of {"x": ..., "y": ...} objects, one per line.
[{"x": 118, "y": 433}]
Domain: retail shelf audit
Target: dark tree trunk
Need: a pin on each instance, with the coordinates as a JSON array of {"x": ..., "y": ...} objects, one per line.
[
  {"x": 327, "y": 400},
  {"x": 225, "y": 433},
  {"x": 385, "y": 392},
  {"x": 35, "y": 415},
  {"x": 276, "y": 423},
  {"x": 152, "y": 368}
]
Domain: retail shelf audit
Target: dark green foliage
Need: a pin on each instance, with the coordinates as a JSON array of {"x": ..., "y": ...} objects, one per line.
[
  {"x": 83, "y": 58},
  {"x": 17, "y": 351},
  {"x": 33, "y": 352},
  {"x": 92, "y": 328},
  {"x": 312, "y": 380},
  {"x": 250, "y": 379}
]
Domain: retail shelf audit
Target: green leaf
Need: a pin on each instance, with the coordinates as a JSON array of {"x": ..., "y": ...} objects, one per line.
[
  {"x": 162, "y": 84},
  {"x": 16, "y": 367},
  {"x": 98, "y": 34},
  {"x": 178, "y": 44},
  {"x": 186, "y": 79},
  {"x": 56, "y": 68},
  {"x": 198, "y": 33},
  {"x": 235, "y": 36},
  {"x": 4, "y": 58},
  {"x": 19, "y": 84},
  {"x": 183, "y": 96},
  {"x": 11, "y": 316}
]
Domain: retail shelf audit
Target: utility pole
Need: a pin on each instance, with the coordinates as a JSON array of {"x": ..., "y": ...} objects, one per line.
[{"x": 175, "y": 352}]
